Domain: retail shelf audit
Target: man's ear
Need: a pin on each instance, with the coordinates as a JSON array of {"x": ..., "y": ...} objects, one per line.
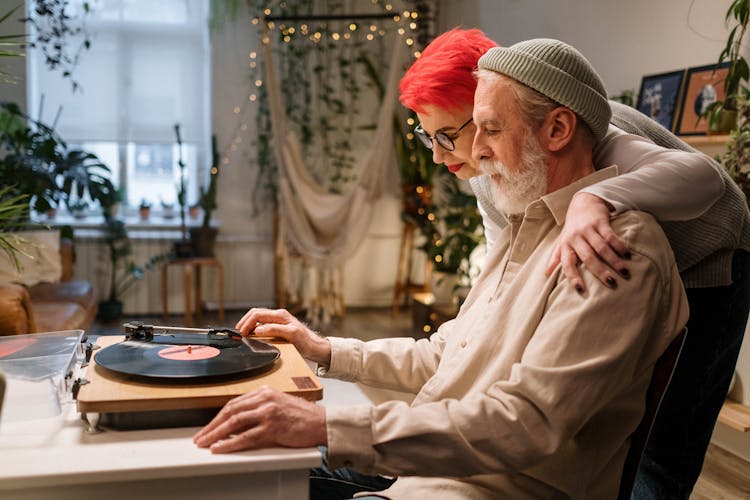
[{"x": 558, "y": 128}]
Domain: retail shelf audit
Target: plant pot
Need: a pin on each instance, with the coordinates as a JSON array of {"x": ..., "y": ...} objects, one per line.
[
  {"x": 194, "y": 212},
  {"x": 726, "y": 123},
  {"x": 203, "y": 240},
  {"x": 109, "y": 311},
  {"x": 183, "y": 249}
]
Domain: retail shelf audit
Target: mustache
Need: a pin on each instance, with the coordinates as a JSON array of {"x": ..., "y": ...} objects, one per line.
[{"x": 493, "y": 167}]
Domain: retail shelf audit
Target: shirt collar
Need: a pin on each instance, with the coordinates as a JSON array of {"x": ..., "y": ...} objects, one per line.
[{"x": 558, "y": 201}]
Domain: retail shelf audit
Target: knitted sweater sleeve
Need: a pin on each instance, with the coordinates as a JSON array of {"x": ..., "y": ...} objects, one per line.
[{"x": 660, "y": 174}]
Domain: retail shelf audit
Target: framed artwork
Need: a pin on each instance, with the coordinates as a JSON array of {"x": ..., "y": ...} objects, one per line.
[
  {"x": 703, "y": 85},
  {"x": 659, "y": 97}
]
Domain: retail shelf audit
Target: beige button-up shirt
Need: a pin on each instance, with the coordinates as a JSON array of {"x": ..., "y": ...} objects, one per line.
[{"x": 533, "y": 390}]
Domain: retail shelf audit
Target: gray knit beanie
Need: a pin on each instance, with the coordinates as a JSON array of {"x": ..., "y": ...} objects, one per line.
[{"x": 558, "y": 71}]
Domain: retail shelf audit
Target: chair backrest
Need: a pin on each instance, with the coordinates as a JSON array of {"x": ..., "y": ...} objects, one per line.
[{"x": 663, "y": 370}]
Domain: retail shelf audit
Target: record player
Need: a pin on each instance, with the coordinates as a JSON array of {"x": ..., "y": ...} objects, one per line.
[{"x": 164, "y": 376}]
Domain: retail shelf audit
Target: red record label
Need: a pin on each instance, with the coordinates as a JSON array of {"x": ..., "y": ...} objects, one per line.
[{"x": 189, "y": 352}]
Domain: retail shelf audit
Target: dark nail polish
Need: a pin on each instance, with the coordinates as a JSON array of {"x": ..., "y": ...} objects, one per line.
[
  {"x": 611, "y": 282},
  {"x": 579, "y": 289},
  {"x": 625, "y": 273}
]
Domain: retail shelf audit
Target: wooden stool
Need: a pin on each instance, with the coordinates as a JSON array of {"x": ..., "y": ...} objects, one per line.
[
  {"x": 404, "y": 286},
  {"x": 187, "y": 266}
]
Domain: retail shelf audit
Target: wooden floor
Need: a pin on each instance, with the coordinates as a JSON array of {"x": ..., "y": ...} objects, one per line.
[{"x": 724, "y": 476}]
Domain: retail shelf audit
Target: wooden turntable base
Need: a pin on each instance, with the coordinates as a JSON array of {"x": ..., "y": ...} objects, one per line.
[{"x": 108, "y": 392}]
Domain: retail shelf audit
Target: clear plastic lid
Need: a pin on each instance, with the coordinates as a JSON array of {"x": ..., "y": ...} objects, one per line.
[{"x": 39, "y": 369}]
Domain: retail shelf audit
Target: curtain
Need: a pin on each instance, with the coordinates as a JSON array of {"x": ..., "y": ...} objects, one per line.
[{"x": 323, "y": 228}]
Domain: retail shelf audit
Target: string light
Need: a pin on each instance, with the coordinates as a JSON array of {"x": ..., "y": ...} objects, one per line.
[{"x": 304, "y": 31}]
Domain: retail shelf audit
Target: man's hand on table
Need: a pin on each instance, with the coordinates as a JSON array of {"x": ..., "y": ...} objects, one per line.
[{"x": 264, "y": 418}]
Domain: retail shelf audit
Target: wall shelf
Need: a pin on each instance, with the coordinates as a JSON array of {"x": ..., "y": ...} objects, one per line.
[
  {"x": 698, "y": 141},
  {"x": 735, "y": 415}
]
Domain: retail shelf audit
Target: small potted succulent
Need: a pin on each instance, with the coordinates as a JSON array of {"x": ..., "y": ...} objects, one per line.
[
  {"x": 144, "y": 209},
  {"x": 78, "y": 208},
  {"x": 167, "y": 209}
]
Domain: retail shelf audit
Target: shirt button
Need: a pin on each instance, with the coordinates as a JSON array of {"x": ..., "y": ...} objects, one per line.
[{"x": 463, "y": 343}]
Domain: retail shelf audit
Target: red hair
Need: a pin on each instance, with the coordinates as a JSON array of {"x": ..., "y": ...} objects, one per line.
[{"x": 444, "y": 74}]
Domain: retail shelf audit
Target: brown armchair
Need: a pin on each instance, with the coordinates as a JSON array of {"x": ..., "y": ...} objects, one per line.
[{"x": 66, "y": 305}]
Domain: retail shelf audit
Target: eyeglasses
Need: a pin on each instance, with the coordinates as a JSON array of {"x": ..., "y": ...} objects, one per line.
[{"x": 445, "y": 140}]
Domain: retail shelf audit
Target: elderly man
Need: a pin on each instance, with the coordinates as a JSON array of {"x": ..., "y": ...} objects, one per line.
[{"x": 533, "y": 390}]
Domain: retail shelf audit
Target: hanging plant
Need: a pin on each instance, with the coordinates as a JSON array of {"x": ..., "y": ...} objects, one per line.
[
  {"x": 60, "y": 35},
  {"x": 323, "y": 88}
]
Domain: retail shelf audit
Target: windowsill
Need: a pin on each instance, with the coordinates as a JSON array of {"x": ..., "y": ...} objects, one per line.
[{"x": 155, "y": 226}]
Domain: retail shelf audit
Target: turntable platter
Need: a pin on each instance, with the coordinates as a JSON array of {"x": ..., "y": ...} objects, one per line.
[{"x": 188, "y": 357}]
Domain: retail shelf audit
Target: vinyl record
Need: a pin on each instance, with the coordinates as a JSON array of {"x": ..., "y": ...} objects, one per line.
[{"x": 188, "y": 357}]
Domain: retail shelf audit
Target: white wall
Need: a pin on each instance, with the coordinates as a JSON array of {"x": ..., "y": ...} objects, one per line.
[{"x": 624, "y": 41}]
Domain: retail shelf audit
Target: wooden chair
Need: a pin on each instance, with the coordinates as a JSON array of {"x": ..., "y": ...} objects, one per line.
[{"x": 663, "y": 370}]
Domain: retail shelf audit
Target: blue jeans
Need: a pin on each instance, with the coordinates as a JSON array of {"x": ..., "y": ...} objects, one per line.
[
  {"x": 342, "y": 484},
  {"x": 673, "y": 457}
]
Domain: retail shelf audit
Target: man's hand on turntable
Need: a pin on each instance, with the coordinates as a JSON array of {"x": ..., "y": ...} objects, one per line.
[
  {"x": 263, "y": 418},
  {"x": 281, "y": 323}
]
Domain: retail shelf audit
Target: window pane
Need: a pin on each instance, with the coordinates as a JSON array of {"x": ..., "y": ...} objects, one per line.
[
  {"x": 154, "y": 173},
  {"x": 146, "y": 71},
  {"x": 160, "y": 11}
]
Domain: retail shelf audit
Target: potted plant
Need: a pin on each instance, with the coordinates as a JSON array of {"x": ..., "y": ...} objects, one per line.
[
  {"x": 722, "y": 115},
  {"x": 203, "y": 238},
  {"x": 167, "y": 209},
  {"x": 144, "y": 209},
  {"x": 14, "y": 213},
  {"x": 44, "y": 168},
  {"x": 736, "y": 156},
  {"x": 194, "y": 211},
  {"x": 78, "y": 208},
  {"x": 453, "y": 234},
  {"x": 123, "y": 271},
  {"x": 183, "y": 248}
]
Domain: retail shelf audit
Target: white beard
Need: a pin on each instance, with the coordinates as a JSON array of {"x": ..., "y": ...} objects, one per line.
[{"x": 513, "y": 190}]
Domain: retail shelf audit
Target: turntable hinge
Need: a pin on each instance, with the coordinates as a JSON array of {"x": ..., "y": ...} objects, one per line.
[
  {"x": 77, "y": 386},
  {"x": 89, "y": 349}
]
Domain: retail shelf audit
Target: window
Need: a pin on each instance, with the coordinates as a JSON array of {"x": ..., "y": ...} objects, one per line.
[{"x": 147, "y": 70}]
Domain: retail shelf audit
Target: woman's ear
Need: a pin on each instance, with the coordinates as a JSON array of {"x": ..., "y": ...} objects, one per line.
[{"x": 558, "y": 128}]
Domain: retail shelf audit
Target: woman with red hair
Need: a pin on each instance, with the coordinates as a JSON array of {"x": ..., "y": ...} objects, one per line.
[{"x": 702, "y": 211}]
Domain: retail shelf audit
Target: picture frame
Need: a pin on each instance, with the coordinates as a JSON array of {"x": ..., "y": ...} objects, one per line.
[
  {"x": 703, "y": 85},
  {"x": 660, "y": 96}
]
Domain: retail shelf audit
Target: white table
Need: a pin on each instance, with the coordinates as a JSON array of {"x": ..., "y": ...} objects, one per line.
[{"x": 56, "y": 458}]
